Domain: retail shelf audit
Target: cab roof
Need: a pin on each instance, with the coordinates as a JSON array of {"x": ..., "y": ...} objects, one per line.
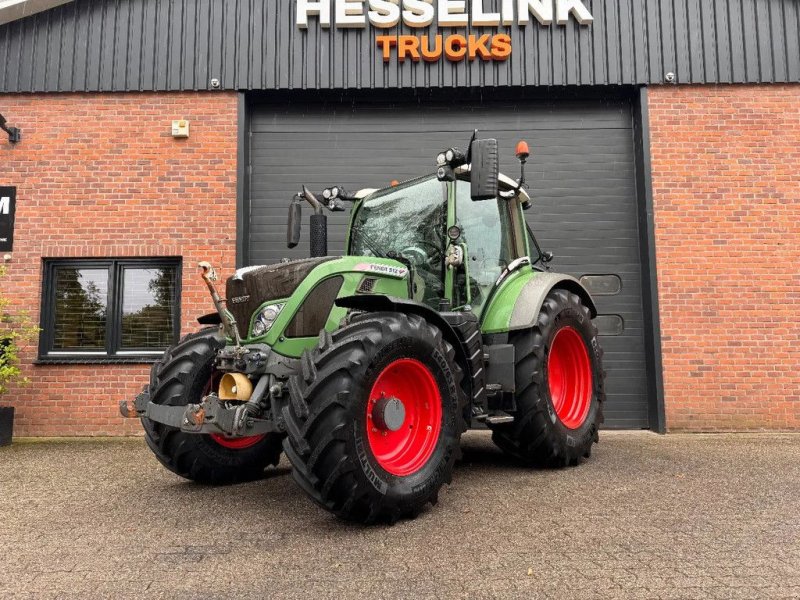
[{"x": 504, "y": 180}]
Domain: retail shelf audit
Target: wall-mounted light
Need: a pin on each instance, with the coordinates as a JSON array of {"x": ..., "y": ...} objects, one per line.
[{"x": 14, "y": 134}]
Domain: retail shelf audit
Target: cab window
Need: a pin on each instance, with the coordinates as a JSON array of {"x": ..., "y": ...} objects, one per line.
[
  {"x": 486, "y": 231},
  {"x": 408, "y": 223}
]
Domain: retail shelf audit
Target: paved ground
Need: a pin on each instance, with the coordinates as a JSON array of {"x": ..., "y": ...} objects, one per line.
[{"x": 647, "y": 517}]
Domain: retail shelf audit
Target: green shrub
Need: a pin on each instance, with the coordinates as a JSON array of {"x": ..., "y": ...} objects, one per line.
[{"x": 15, "y": 330}]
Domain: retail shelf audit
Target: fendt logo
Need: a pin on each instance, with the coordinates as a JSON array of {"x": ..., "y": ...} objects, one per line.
[{"x": 386, "y": 14}]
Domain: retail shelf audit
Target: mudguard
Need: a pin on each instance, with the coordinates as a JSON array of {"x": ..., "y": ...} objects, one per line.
[
  {"x": 382, "y": 303},
  {"x": 517, "y": 302}
]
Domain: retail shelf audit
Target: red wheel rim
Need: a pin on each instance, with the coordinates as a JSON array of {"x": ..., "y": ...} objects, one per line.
[
  {"x": 569, "y": 373},
  {"x": 236, "y": 443},
  {"x": 232, "y": 443},
  {"x": 407, "y": 449}
]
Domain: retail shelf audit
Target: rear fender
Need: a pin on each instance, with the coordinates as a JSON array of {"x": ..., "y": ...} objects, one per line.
[{"x": 518, "y": 301}]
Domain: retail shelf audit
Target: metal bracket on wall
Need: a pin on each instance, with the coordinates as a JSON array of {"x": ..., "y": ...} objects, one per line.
[{"x": 14, "y": 133}]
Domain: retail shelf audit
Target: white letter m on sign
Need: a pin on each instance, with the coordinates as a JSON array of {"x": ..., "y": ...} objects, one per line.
[{"x": 5, "y": 205}]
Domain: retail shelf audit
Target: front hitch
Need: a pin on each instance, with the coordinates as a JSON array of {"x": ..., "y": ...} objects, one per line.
[{"x": 210, "y": 416}]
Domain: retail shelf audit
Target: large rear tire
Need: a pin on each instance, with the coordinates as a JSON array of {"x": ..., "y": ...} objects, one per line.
[
  {"x": 375, "y": 418},
  {"x": 182, "y": 377},
  {"x": 560, "y": 386}
]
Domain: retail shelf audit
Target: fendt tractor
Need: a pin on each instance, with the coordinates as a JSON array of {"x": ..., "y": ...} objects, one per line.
[{"x": 365, "y": 369}]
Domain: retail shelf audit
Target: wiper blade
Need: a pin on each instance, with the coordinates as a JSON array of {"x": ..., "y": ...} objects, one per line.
[{"x": 370, "y": 243}]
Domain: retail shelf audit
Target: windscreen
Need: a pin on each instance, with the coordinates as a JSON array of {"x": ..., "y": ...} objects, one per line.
[{"x": 407, "y": 221}]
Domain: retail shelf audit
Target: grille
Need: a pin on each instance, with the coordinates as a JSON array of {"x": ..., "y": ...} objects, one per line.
[{"x": 366, "y": 285}]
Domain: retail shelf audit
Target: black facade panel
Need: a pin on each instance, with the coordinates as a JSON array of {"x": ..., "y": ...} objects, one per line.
[{"x": 116, "y": 45}]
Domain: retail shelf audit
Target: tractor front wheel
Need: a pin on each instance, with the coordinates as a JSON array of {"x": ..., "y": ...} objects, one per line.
[
  {"x": 183, "y": 376},
  {"x": 375, "y": 418},
  {"x": 559, "y": 386}
]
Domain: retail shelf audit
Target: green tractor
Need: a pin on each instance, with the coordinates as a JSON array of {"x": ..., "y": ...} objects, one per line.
[{"x": 365, "y": 369}]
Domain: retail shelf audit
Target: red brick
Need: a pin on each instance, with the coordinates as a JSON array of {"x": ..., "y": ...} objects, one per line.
[
  {"x": 100, "y": 175},
  {"x": 726, "y": 191}
]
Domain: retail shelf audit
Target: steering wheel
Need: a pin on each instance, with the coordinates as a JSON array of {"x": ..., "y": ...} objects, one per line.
[
  {"x": 416, "y": 255},
  {"x": 419, "y": 255}
]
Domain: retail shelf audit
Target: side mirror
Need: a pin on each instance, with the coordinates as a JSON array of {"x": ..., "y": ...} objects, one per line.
[
  {"x": 485, "y": 169},
  {"x": 293, "y": 229}
]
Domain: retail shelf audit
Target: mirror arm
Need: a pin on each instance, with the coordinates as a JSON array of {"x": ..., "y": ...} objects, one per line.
[{"x": 312, "y": 200}]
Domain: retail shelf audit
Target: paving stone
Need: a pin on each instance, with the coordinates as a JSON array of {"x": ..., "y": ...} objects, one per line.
[{"x": 673, "y": 517}]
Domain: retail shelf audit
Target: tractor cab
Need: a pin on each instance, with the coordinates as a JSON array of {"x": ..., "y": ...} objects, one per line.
[{"x": 456, "y": 248}]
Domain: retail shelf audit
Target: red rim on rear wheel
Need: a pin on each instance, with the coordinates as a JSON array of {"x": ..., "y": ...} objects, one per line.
[
  {"x": 569, "y": 373},
  {"x": 404, "y": 417},
  {"x": 231, "y": 443}
]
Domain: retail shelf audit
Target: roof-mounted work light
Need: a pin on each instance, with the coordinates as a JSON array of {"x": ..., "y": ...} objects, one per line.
[{"x": 447, "y": 162}]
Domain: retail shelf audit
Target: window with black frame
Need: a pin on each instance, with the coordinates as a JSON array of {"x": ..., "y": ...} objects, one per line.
[{"x": 109, "y": 309}]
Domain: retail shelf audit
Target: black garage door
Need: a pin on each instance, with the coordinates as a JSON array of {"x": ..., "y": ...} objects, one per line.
[{"x": 581, "y": 175}]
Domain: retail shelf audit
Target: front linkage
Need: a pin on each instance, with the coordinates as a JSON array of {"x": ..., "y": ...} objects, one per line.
[{"x": 238, "y": 409}]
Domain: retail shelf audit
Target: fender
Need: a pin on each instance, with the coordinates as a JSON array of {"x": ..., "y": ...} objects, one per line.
[
  {"x": 382, "y": 303},
  {"x": 517, "y": 302}
]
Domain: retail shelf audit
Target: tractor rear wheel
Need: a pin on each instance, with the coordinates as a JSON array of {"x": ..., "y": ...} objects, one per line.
[
  {"x": 375, "y": 418},
  {"x": 183, "y": 376},
  {"x": 559, "y": 386}
]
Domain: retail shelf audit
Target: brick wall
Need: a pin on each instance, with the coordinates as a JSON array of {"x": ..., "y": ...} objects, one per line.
[
  {"x": 99, "y": 175},
  {"x": 726, "y": 186}
]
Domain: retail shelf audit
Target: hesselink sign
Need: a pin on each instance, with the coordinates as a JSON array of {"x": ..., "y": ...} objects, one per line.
[
  {"x": 456, "y": 47},
  {"x": 8, "y": 200}
]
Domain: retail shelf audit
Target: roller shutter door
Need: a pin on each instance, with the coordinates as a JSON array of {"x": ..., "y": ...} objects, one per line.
[{"x": 581, "y": 175}]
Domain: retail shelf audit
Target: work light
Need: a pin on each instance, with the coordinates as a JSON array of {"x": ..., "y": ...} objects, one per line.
[{"x": 452, "y": 157}]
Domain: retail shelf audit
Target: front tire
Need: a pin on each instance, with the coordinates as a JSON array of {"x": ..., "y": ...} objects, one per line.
[
  {"x": 375, "y": 418},
  {"x": 560, "y": 386},
  {"x": 182, "y": 377}
]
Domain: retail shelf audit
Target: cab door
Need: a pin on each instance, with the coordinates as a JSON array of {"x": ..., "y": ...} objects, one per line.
[{"x": 489, "y": 242}]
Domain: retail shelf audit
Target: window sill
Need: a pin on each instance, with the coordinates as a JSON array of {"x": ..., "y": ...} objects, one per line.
[{"x": 97, "y": 360}]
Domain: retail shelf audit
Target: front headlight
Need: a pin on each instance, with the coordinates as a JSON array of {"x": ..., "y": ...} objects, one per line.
[{"x": 265, "y": 318}]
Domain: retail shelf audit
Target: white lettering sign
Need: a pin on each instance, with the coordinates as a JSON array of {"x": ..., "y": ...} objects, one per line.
[
  {"x": 5, "y": 205},
  {"x": 384, "y": 13},
  {"x": 447, "y": 13},
  {"x": 418, "y": 13},
  {"x": 313, "y": 8}
]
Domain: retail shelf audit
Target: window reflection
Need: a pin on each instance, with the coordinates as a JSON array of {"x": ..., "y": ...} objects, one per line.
[
  {"x": 147, "y": 307},
  {"x": 80, "y": 308}
]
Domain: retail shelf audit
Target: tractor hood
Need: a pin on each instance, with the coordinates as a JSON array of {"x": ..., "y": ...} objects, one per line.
[{"x": 250, "y": 287}]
